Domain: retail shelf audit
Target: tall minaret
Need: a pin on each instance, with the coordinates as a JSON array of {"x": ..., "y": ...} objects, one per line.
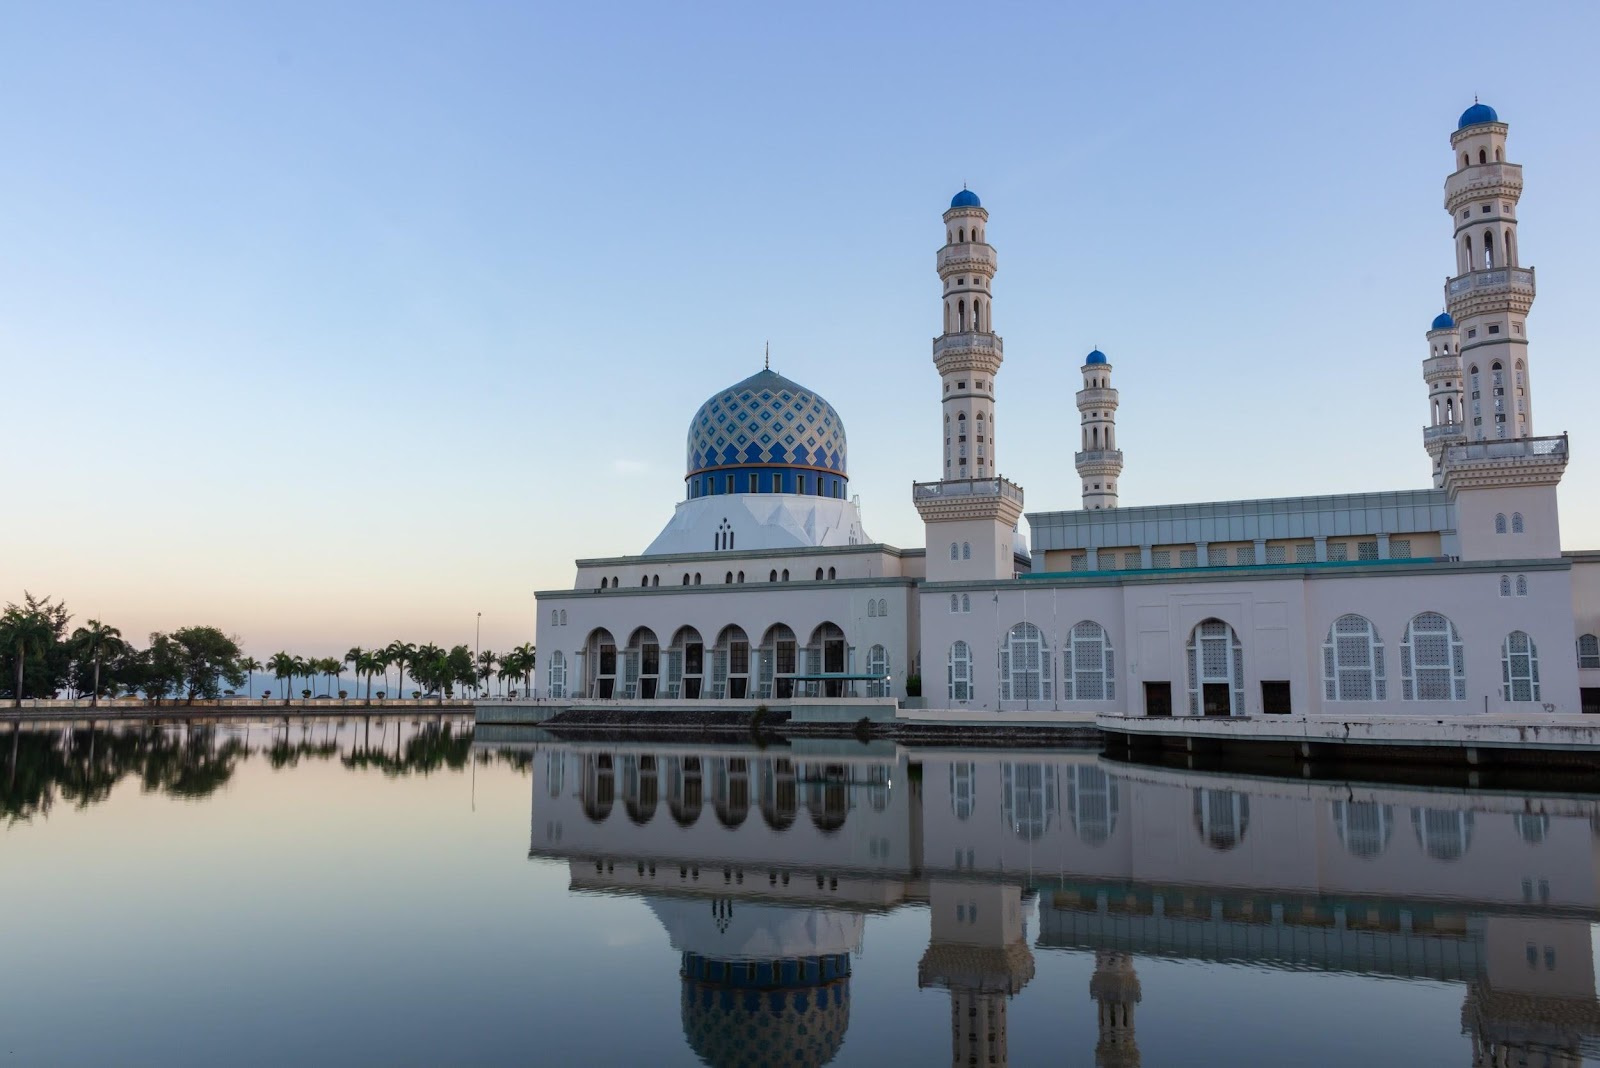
[
  {"x": 1115, "y": 989},
  {"x": 1441, "y": 370},
  {"x": 971, "y": 511},
  {"x": 1491, "y": 293},
  {"x": 1100, "y": 462}
]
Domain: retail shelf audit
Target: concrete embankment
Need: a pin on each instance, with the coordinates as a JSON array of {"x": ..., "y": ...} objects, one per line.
[{"x": 63, "y": 711}]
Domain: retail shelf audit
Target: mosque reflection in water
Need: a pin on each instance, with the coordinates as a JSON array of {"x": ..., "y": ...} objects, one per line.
[{"x": 763, "y": 866}]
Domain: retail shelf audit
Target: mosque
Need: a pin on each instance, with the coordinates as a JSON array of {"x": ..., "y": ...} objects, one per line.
[{"x": 1451, "y": 599}]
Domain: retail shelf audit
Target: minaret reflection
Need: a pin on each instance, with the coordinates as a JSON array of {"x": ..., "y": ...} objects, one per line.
[{"x": 1493, "y": 892}]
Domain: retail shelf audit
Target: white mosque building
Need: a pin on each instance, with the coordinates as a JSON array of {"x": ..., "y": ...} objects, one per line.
[{"x": 1451, "y": 599}]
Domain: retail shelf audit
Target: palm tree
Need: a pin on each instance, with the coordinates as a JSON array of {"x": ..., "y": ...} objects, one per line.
[
  {"x": 400, "y": 654},
  {"x": 303, "y": 667},
  {"x": 327, "y": 667},
  {"x": 525, "y": 654},
  {"x": 25, "y": 632},
  {"x": 96, "y": 640},
  {"x": 487, "y": 662},
  {"x": 353, "y": 658},
  {"x": 249, "y": 665},
  {"x": 369, "y": 664},
  {"x": 283, "y": 667}
]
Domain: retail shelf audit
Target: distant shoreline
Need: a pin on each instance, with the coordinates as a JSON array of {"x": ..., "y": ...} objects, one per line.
[{"x": 61, "y": 711}]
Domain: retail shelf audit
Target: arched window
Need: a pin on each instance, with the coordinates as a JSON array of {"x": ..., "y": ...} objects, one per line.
[
  {"x": 1500, "y": 523},
  {"x": 963, "y": 783},
  {"x": 1352, "y": 661},
  {"x": 644, "y": 580},
  {"x": 1433, "y": 665},
  {"x": 883, "y": 607},
  {"x": 655, "y": 580},
  {"x": 961, "y": 236},
  {"x": 697, "y": 578},
  {"x": 1483, "y": 157},
  {"x": 966, "y": 602},
  {"x": 1488, "y": 249},
  {"x": 955, "y": 603},
  {"x": 1519, "y": 668},
  {"x": 1522, "y": 585},
  {"x": 1364, "y": 827},
  {"x": 1497, "y": 155},
  {"x": 772, "y": 576},
  {"x": 878, "y": 664},
  {"x": 819, "y": 574},
  {"x": 558, "y": 675},
  {"x": 955, "y": 551},
  {"x": 1221, "y": 817},
  {"x": 602, "y": 582},
  {"x": 1092, "y": 803},
  {"x": 553, "y": 617},
  {"x": 1443, "y": 833},
  {"x": 872, "y": 608},
  {"x": 785, "y": 574},
  {"x": 1025, "y": 665},
  {"x": 966, "y": 550},
  {"x": 1516, "y": 523},
  {"x": 1088, "y": 668},
  {"x": 1028, "y": 799},
  {"x": 686, "y": 578},
  {"x": 1589, "y": 651},
  {"x": 563, "y": 617},
  {"x": 1505, "y": 585},
  {"x": 961, "y": 316},
  {"x": 1216, "y": 670},
  {"x": 832, "y": 574}
]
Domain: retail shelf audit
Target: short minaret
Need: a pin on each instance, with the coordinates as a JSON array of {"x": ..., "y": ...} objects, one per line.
[
  {"x": 1490, "y": 295},
  {"x": 1100, "y": 462},
  {"x": 971, "y": 511},
  {"x": 1441, "y": 370}
]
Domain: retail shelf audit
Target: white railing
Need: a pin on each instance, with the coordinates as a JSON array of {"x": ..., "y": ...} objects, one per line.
[
  {"x": 967, "y": 253},
  {"x": 1444, "y": 430},
  {"x": 969, "y": 340},
  {"x": 1514, "y": 276},
  {"x": 1512, "y": 449},
  {"x": 1097, "y": 456},
  {"x": 1105, "y": 398},
  {"x": 966, "y": 487}
]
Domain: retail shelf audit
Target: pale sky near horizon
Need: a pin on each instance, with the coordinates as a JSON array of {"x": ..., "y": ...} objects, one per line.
[{"x": 334, "y": 324}]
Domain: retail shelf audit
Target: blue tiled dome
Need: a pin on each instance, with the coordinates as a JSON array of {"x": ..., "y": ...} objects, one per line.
[
  {"x": 1095, "y": 357},
  {"x": 1476, "y": 114},
  {"x": 1442, "y": 321},
  {"x": 766, "y": 421},
  {"x": 966, "y": 199}
]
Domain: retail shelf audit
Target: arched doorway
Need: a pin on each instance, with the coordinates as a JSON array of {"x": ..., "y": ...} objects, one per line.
[
  {"x": 600, "y": 664},
  {"x": 827, "y": 653},
  {"x": 641, "y": 665},
  {"x": 730, "y": 790},
  {"x": 685, "y": 665},
  {"x": 778, "y": 657},
  {"x": 780, "y": 794},
  {"x": 730, "y": 664},
  {"x": 1216, "y": 670},
  {"x": 685, "y": 790}
]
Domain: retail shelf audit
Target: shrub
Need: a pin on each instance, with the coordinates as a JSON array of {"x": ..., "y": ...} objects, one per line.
[{"x": 913, "y": 685}]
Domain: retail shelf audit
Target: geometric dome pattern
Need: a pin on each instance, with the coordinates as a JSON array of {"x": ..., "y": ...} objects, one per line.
[
  {"x": 731, "y": 1017},
  {"x": 766, "y": 419}
]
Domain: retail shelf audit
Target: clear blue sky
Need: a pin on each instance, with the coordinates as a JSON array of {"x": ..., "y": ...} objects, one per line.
[{"x": 335, "y": 323}]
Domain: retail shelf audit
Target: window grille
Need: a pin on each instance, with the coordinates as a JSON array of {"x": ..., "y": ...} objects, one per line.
[
  {"x": 1305, "y": 554},
  {"x": 959, "y": 674},
  {"x": 1589, "y": 651},
  {"x": 1161, "y": 558},
  {"x": 966, "y": 602},
  {"x": 1025, "y": 665},
  {"x": 1522, "y": 585},
  {"x": 1352, "y": 661},
  {"x": 878, "y": 664},
  {"x": 1244, "y": 555},
  {"x": 558, "y": 674},
  {"x": 1516, "y": 522},
  {"x": 1188, "y": 557},
  {"x": 1505, "y": 585},
  {"x": 1277, "y": 554},
  {"x": 1400, "y": 548},
  {"x": 1519, "y": 668},
  {"x": 1215, "y": 656},
  {"x": 1338, "y": 551},
  {"x": 1366, "y": 550},
  {"x": 955, "y": 603},
  {"x": 1130, "y": 561},
  {"x": 1088, "y": 666},
  {"x": 1080, "y": 562},
  {"x": 1433, "y": 664}
]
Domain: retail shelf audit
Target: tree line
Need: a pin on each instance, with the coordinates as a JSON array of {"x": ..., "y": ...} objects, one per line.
[{"x": 41, "y": 658}]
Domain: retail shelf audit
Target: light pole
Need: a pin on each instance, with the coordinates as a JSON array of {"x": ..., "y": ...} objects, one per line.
[{"x": 477, "y": 646}]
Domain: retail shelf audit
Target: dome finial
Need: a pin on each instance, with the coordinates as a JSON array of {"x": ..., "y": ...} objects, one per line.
[{"x": 766, "y": 362}]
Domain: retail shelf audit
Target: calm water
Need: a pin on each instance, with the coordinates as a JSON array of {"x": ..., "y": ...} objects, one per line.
[{"x": 397, "y": 894}]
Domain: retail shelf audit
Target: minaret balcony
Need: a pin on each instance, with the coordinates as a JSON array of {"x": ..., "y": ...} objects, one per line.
[
  {"x": 1098, "y": 459},
  {"x": 1489, "y": 290},
  {"x": 1508, "y": 462},
  {"x": 956, "y": 488},
  {"x": 968, "y": 255},
  {"x": 1439, "y": 368},
  {"x": 1482, "y": 180},
  {"x": 980, "y": 346},
  {"x": 1097, "y": 398},
  {"x": 1444, "y": 432}
]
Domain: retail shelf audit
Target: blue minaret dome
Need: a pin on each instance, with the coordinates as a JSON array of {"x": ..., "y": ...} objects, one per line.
[
  {"x": 1442, "y": 321},
  {"x": 1477, "y": 114},
  {"x": 1095, "y": 357},
  {"x": 966, "y": 199}
]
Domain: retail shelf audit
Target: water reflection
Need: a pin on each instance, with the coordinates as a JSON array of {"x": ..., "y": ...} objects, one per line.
[
  {"x": 80, "y": 763},
  {"x": 1123, "y": 864}
]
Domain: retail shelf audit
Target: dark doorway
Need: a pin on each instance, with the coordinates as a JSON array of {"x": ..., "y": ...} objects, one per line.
[
  {"x": 691, "y": 688},
  {"x": 1158, "y": 698},
  {"x": 738, "y": 686},
  {"x": 1216, "y": 699},
  {"x": 1589, "y": 698},
  {"x": 647, "y": 689},
  {"x": 1275, "y": 697},
  {"x": 606, "y": 686}
]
